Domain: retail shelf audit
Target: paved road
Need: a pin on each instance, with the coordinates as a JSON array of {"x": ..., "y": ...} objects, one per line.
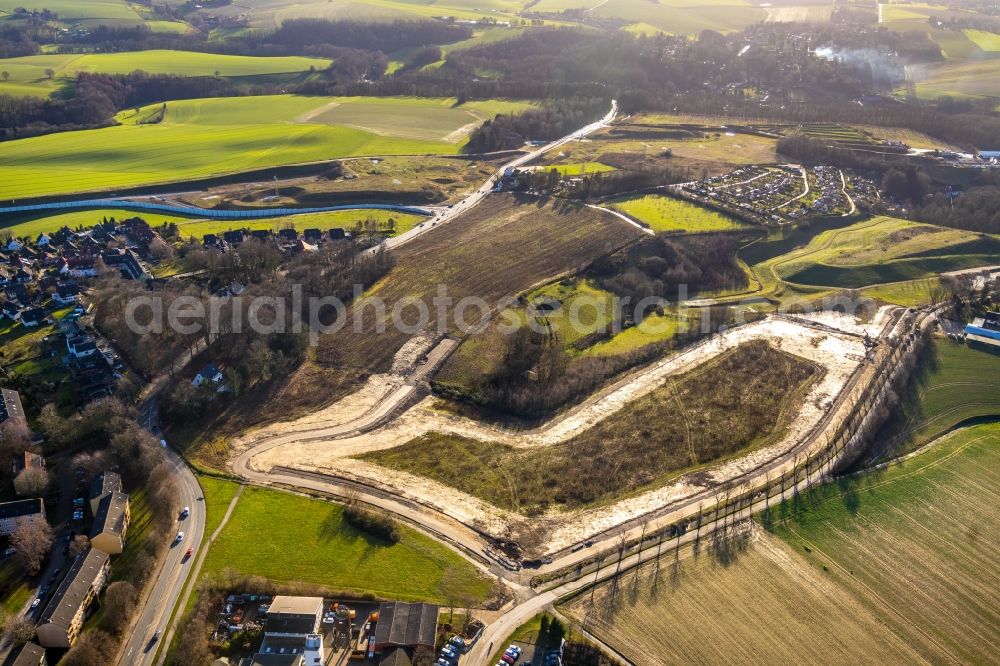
[
  {"x": 445, "y": 215},
  {"x": 169, "y": 580}
]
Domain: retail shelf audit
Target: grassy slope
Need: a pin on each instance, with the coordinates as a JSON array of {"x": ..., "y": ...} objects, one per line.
[
  {"x": 954, "y": 383},
  {"x": 668, "y": 214},
  {"x": 876, "y": 251},
  {"x": 899, "y": 569},
  {"x": 733, "y": 403},
  {"x": 286, "y": 537},
  {"x": 200, "y": 138},
  {"x": 27, "y": 74}
]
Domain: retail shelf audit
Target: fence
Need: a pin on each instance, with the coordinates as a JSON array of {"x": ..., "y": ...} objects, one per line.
[{"x": 193, "y": 211}]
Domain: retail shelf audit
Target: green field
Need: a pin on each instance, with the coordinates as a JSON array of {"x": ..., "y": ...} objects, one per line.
[
  {"x": 77, "y": 9},
  {"x": 206, "y": 137},
  {"x": 954, "y": 383},
  {"x": 911, "y": 293},
  {"x": 286, "y": 538},
  {"x": 28, "y": 74},
  {"x": 218, "y": 493},
  {"x": 199, "y": 227},
  {"x": 579, "y": 168},
  {"x": 663, "y": 213},
  {"x": 345, "y": 219},
  {"x": 987, "y": 41},
  {"x": 896, "y": 567},
  {"x": 678, "y": 17},
  {"x": 962, "y": 78}
]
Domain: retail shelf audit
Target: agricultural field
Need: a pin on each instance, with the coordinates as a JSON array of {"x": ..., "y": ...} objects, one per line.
[
  {"x": 663, "y": 213},
  {"x": 28, "y": 74},
  {"x": 989, "y": 42},
  {"x": 116, "y": 11},
  {"x": 954, "y": 383},
  {"x": 737, "y": 402},
  {"x": 893, "y": 567},
  {"x": 971, "y": 78},
  {"x": 80, "y": 219},
  {"x": 877, "y": 251},
  {"x": 676, "y": 17},
  {"x": 206, "y": 137},
  {"x": 270, "y": 13},
  {"x": 319, "y": 547}
]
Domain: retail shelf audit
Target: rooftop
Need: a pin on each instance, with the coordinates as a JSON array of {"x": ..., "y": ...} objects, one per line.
[
  {"x": 406, "y": 624},
  {"x": 108, "y": 482},
  {"x": 110, "y": 518},
  {"x": 72, "y": 592},
  {"x": 25, "y": 507}
]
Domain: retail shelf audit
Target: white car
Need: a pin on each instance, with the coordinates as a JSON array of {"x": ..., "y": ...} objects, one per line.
[
  {"x": 179, "y": 537},
  {"x": 34, "y": 604},
  {"x": 186, "y": 512}
]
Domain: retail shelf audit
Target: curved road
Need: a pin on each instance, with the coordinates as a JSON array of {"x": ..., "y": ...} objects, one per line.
[{"x": 169, "y": 581}]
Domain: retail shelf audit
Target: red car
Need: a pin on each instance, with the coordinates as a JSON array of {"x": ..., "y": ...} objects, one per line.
[{"x": 190, "y": 552}]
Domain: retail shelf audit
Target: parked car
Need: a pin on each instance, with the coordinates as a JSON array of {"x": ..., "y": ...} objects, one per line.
[
  {"x": 458, "y": 643},
  {"x": 78, "y": 501},
  {"x": 449, "y": 653},
  {"x": 37, "y": 600}
]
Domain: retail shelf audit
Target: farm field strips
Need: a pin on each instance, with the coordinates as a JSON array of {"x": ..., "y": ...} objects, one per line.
[{"x": 201, "y": 138}]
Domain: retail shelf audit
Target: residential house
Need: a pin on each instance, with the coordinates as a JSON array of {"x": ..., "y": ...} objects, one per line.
[
  {"x": 19, "y": 513},
  {"x": 30, "y": 655},
  {"x": 103, "y": 486},
  {"x": 233, "y": 237},
  {"x": 66, "y": 293},
  {"x": 337, "y": 234},
  {"x": 288, "y": 234},
  {"x": 13, "y": 245},
  {"x": 83, "y": 265},
  {"x": 111, "y": 523},
  {"x": 42, "y": 240},
  {"x": 261, "y": 234},
  {"x": 210, "y": 373},
  {"x": 209, "y": 240},
  {"x": 81, "y": 345},
  {"x": 312, "y": 235},
  {"x": 32, "y": 317},
  {"x": 63, "y": 617}
]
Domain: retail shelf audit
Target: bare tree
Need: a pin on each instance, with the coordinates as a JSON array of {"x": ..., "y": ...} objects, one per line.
[
  {"x": 31, "y": 482},
  {"x": 19, "y": 631},
  {"x": 32, "y": 543},
  {"x": 119, "y": 602},
  {"x": 79, "y": 544}
]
